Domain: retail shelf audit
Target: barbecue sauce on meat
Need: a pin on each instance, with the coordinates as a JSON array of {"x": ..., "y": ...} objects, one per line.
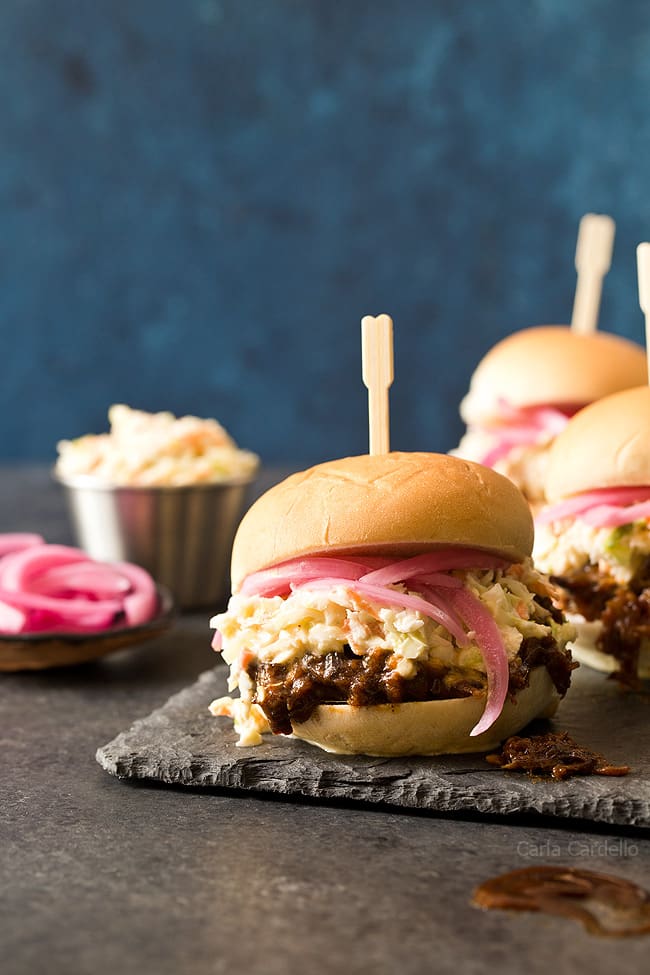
[
  {"x": 291, "y": 692},
  {"x": 554, "y": 754},
  {"x": 606, "y": 905},
  {"x": 623, "y": 610}
]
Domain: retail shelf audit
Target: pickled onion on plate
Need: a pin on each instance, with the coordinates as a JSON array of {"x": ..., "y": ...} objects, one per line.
[
  {"x": 59, "y": 589},
  {"x": 16, "y": 541}
]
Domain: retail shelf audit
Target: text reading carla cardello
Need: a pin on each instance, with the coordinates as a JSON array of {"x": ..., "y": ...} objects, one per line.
[{"x": 587, "y": 847}]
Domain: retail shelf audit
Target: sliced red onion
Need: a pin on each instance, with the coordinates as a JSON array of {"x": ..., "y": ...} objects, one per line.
[
  {"x": 18, "y": 569},
  {"x": 70, "y": 609},
  {"x": 12, "y": 619},
  {"x": 579, "y": 504},
  {"x": 438, "y": 599},
  {"x": 611, "y": 516},
  {"x": 392, "y": 597},
  {"x": 444, "y": 560},
  {"x": 277, "y": 580},
  {"x": 524, "y": 426},
  {"x": 17, "y": 541},
  {"x": 98, "y": 581},
  {"x": 440, "y": 580},
  {"x": 490, "y": 642},
  {"x": 55, "y": 588},
  {"x": 141, "y": 604},
  {"x": 546, "y": 416}
]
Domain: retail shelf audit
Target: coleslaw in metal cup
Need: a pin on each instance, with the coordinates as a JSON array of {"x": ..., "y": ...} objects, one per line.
[{"x": 164, "y": 492}]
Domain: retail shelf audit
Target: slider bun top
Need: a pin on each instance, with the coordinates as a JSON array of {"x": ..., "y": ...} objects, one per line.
[
  {"x": 605, "y": 445},
  {"x": 551, "y": 364},
  {"x": 397, "y": 503}
]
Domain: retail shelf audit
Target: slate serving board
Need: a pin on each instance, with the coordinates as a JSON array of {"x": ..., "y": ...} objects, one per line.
[{"x": 182, "y": 744}]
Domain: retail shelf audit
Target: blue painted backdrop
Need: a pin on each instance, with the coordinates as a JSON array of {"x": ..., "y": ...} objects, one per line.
[{"x": 200, "y": 199}]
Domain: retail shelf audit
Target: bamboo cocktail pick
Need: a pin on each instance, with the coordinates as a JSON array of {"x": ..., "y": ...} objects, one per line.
[
  {"x": 593, "y": 261},
  {"x": 643, "y": 271},
  {"x": 377, "y": 371}
]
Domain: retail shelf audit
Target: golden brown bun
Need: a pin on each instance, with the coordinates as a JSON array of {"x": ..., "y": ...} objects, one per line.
[
  {"x": 394, "y": 503},
  {"x": 605, "y": 445},
  {"x": 425, "y": 727},
  {"x": 552, "y": 364}
]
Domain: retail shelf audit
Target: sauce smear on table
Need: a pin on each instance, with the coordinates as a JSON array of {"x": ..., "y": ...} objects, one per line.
[{"x": 606, "y": 905}]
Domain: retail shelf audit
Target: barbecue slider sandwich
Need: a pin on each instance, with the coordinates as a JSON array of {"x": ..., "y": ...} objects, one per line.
[
  {"x": 528, "y": 386},
  {"x": 388, "y": 605},
  {"x": 593, "y": 537}
]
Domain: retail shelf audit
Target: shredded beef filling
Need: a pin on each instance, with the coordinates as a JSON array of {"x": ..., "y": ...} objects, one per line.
[
  {"x": 624, "y": 611},
  {"x": 555, "y": 754},
  {"x": 290, "y": 692}
]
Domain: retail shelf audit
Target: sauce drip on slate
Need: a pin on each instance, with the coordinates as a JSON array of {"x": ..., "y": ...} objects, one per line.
[
  {"x": 606, "y": 905},
  {"x": 555, "y": 754}
]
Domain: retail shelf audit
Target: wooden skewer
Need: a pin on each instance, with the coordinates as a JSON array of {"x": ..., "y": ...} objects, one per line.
[
  {"x": 643, "y": 271},
  {"x": 593, "y": 261},
  {"x": 377, "y": 371}
]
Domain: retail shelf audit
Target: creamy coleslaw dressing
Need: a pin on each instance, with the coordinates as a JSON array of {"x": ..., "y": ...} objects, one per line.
[
  {"x": 567, "y": 544},
  {"x": 277, "y": 630},
  {"x": 156, "y": 449}
]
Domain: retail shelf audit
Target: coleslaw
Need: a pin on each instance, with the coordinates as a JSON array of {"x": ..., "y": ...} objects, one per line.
[{"x": 156, "y": 449}]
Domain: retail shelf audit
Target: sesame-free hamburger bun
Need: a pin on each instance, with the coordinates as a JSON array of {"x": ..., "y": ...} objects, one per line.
[
  {"x": 551, "y": 364},
  {"x": 396, "y": 503},
  {"x": 605, "y": 445},
  {"x": 425, "y": 727}
]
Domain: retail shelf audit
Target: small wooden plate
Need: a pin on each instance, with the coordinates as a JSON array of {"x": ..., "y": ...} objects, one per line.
[{"x": 38, "y": 651}]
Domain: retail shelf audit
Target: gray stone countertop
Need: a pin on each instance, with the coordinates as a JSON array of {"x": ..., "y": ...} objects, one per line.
[{"x": 99, "y": 876}]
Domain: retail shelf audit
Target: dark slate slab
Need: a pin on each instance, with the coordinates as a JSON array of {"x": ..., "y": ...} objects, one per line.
[{"x": 182, "y": 744}]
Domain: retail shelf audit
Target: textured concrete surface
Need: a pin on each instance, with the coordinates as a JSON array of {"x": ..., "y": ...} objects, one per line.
[
  {"x": 193, "y": 193},
  {"x": 181, "y": 743},
  {"x": 99, "y": 876}
]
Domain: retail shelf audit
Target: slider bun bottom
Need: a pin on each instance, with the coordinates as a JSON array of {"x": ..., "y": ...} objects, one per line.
[
  {"x": 584, "y": 649},
  {"x": 425, "y": 727}
]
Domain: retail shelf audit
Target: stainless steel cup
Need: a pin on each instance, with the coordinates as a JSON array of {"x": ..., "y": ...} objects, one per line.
[{"x": 182, "y": 535}]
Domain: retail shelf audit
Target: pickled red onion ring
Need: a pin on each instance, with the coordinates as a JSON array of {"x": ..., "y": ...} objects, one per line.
[
  {"x": 64, "y": 608},
  {"x": 87, "y": 578},
  {"x": 446, "y": 559},
  {"x": 576, "y": 506},
  {"x": 277, "y": 580},
  {"x": 18, "y": 568},
  {"x": 56, "y": 588},
  {"x": 523, "y": 427},
  {"x": 611, "y": 516},
  {"x": 17, "y": 541},
  {"x": 490, "y": 643},
  {"x": 140, "y": 604},
  {"x": 12, "y": 619}
]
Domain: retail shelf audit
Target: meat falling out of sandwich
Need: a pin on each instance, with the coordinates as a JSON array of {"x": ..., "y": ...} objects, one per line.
[
  {"x": 593, "y": 537},
  {"x": 388, "y": 605}
]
